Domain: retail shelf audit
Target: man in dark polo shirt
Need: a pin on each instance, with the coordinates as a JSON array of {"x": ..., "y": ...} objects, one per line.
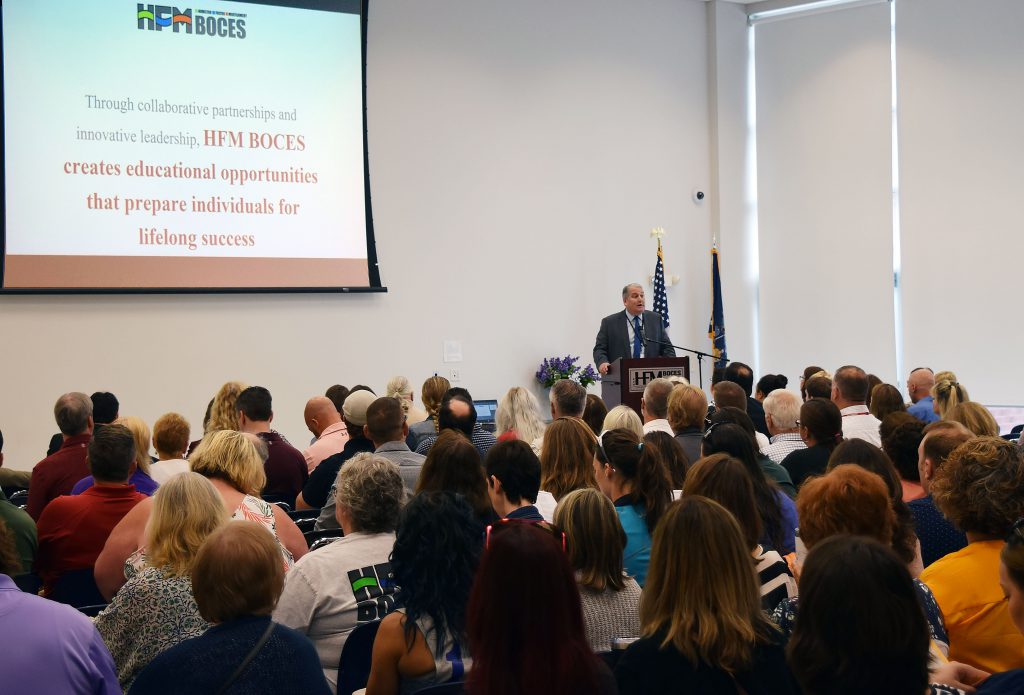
[
  {"x": 285, "y": 466},
  {"x": 56, "y": 474}
]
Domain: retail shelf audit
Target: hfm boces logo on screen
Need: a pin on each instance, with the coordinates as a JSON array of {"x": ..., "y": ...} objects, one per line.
[{"x": 203, "y": 22}]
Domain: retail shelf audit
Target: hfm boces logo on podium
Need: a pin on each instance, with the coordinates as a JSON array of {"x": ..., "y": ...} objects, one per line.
[
  {"x": 202, "y": 22},
  {"x": 638, "y": 376}
]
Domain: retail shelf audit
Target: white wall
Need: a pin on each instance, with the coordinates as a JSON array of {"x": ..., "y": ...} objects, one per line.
[{"x": 519, "y": 155}]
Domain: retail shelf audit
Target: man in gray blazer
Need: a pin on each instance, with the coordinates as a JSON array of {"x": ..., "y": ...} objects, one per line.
[{"x": 631, "y": 333}]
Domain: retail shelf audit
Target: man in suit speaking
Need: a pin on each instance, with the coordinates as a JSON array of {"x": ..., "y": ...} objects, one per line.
[{"x": 631, "y": 333}]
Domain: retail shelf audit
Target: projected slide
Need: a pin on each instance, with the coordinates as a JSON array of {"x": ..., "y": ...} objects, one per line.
[{"x": 211, "y": 145}]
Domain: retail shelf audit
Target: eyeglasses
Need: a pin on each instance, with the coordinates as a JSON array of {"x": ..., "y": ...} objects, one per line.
[
  {"x": 711, "y": 428},
  {"x": 547, "y": 526},
  {"x": 1016, "y": 532}
]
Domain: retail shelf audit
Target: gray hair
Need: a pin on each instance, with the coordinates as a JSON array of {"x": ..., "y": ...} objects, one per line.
[
  {"x": 784, "y": 407},
  {"x": 656, "y": 395},
  {"x": 625, "y": 290},
  {"x": 569, "y": 398},
  {"x": 371, "y": 489},
  {"x": 72, "y": 412}
]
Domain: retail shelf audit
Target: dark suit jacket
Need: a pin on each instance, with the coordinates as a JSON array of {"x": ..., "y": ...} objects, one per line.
[{"x": 613, "y": 338}]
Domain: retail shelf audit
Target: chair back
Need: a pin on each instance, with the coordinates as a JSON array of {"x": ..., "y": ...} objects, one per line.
[
  {"x": 76, "y": 588},
  {"x": 354, "y": 665},
  {"x": 19, "y": 498},
  {"x": 313, "y": 536}
]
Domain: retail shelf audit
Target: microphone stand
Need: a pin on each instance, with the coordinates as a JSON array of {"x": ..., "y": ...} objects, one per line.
[{"x": 700, "y": 355}]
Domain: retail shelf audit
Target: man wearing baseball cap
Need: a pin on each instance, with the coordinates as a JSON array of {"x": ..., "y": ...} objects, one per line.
[{"x": 314, "y": 494}]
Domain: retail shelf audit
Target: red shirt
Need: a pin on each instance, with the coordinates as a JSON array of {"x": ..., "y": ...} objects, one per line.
[
  {"x": 286, "y": 468},
  {"x": 73, "y": 529},
  {"x": 56, "y": 474}
]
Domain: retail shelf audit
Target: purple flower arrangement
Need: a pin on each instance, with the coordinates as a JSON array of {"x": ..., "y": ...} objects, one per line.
[{"x": 554, "y": 368}]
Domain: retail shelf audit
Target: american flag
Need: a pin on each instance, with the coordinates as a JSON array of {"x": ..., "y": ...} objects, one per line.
[{"x": 660, "y": 297}]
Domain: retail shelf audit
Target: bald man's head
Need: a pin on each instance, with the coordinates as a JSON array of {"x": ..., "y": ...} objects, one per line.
[
  {"x": 458, "y": 413},
  {"x": 320, "y": 414},
  {"x": 920, "y": 383}
]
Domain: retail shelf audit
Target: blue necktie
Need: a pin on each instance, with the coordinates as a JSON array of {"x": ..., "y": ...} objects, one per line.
[{"x": 637, "y": 345}]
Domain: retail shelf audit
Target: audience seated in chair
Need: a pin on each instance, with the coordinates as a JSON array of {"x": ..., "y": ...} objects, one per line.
[
  {"x": 518, "y": 416},
  {"x": 431, "y": 393},
  {"x": 285, "y": 467},
  {"x": 938, "y": 537},
  {"x": 324, "y": 421},
  {"x": 140, "y": 476},
  {"x": 453, "y": 464},
  {"x": 347, "y": 583},
  {"x": 457, "y": 412},
  {"x": 237, "y": 579},
  {"x": 74, "y": 529},
  {"x": 170, "y": 440},
  {"x": 513, "y": 480},
  {"x": 317, "y": 492},
  {"x": 155, "y": 609},
  {"x": 56, "y": 474},
  {"x": 436, "y": 551},
  {"x": 566, "y": 462},
  {"x": 609, "y": 598},
  {"x": 387, "y": 429}
]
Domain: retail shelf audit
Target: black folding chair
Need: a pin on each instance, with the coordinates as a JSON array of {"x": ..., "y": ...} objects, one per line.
[
  {"x": 313, "y": 537},
  {"x": 354, "y": 665}
]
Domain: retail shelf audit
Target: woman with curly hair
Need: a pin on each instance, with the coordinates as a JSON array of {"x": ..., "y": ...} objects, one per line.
[
  {"x": 978, "y": 488},
  {"x": 435, "y": 556},
  {"x": 871, "y": 458}
]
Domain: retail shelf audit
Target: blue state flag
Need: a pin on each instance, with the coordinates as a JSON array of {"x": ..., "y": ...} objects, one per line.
[{"x": 716, "y": 329}]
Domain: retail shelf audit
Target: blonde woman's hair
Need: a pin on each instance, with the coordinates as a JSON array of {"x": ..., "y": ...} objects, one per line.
[
  {"x": 624, "y": 417},
  {"x": 140, "y": 433},
  {"x": 595, "y": 537},
  {"x": 948, "y": 393},
  {"x": 400, "y": 388},
  {"x": 975, "y": 417},
  {"x": 687, "y": 407},
  {"x": 232, "y": 457},
  {"x": 186, "y": 509},
  {"x": 224, "y": 411},
  {"x": 706, "y": 599},
  {"x": 519, "y": 410}
]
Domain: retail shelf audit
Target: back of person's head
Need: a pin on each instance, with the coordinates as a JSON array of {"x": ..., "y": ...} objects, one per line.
[
  {"x": 808, "y": 373},
  {"x": 453, "y": 464},
  {"x": 594, "y": 413},
  {"x": 705, "y": 601},
  {"x": 783, "y": 407},
  {"x": 843, "y": 644},
  {"x": 337, "y": 395},
  {"x": 237, "y": 573},
  {"x": 740, "y": 374},
  {"x": 432, "y": 392},
  {"x": 595, "y": 537},
  {"x": 623, "y": 417},
  {"x": 224, "y": 411},
  {"x": 568, "y": 398},
  {"x": 525, "y": 624},
  {"x": 873, "y": 381},
  {"x": 656, "y": 395},
  {"x": 232, "y": 457},
  {"x": 384, "y": 419},
  {"x": 771, "y": 382},
  {"x": 436, "y": 552},
  {"x": 738, "y": 442},
  {"x": 10, "y": 561},
  {"x": 353, "y": 412},
  {"x": 1011, "y": 574},
  {"x": 255, "y": 403},
  {"x": 725, "y": 480},
  {"x": 170, "y": 435},
  {"x": 643, "y": 467},
  {"x": 818, "y": 387},
  {"x": 847, "y": 499},
  {"x": 735, "y": 416},
  {"x": 823, "y": 421},
  {"x": 186, "y": 509},
  {"x": 519, "y": 411},
  {"x": 567, "y": 457},
  {"x": 140, "y": 433},
  {"x": 979, "y": 487},
  {"x": 515, "y": 465},
  {"x": 901, "y": 435},
  {"x": 672, "y": 455},
  {"x": 871, "y": 458},
  {"x": 457, "y": 413},
  {"x": 398, "y": 387},
  {"x": 687, "y": 407},
  {"x": 717, "y": 375},
  {"x": 940, "y": 438},
  {"x": 729, "y": 394},
  {"x": 975, "y": 417},
  {"x": 105, "y": 407},
  {"x": 851, "y": 383},
  {"x": 885, "y": 399},
  {"x": 370, "y": 491},
  {"x": 111, "y": 454},
  {"x": 72, "y": 412},
  {"x": 948, "y": 393}
]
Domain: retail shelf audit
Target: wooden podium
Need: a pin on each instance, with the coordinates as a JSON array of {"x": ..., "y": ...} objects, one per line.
[{"x": 626, "y": 378}]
